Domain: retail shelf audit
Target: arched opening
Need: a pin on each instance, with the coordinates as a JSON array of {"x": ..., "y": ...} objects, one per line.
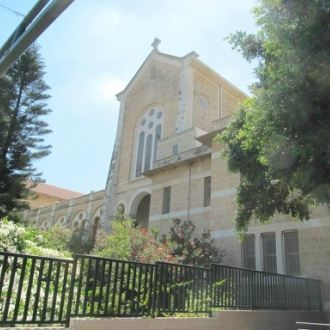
[
  {"x": 139, "y": 208},
  {"x": 148, "y": 132},
  {"x": 143, "y": 211}
]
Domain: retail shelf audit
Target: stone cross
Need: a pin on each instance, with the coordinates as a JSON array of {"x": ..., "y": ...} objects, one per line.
[{"x": 155, "y": 43}]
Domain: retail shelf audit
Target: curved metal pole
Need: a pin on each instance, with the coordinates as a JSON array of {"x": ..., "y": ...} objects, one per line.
[{"x": 32, "y": 26}]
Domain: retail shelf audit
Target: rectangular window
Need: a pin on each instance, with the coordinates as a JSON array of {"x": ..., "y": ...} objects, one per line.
[
  {"x": 166, "y": 200},
  {"x": 249, "y": 252},
  {"x": 207, "y": 191},
  {"x": 269, "y": 252},
  {"x": 291, "y": 252},
  {"x": 175, "y": 149}
]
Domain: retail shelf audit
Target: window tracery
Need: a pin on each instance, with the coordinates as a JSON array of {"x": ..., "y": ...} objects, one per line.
[{"x": 148, "y": 134}]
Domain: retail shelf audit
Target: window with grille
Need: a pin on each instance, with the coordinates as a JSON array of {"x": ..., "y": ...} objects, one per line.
[
  {"x": 291, "y": 252},
  {"x": 249, "y": 252},
  {"x": 166, "y": 200},
  {"x": 269, "y": 252},
  {"x": 207, "y": 191}
]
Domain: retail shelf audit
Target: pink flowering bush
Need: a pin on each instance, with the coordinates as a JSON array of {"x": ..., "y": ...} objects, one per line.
[{"x": 128, "y": 242}]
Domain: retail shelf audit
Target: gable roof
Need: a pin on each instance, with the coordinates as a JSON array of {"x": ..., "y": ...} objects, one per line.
[
  {"x": 50, "y": 190},
  {"x": 155, "y": 54}
]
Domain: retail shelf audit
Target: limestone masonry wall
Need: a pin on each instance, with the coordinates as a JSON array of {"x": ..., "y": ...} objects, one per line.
[{"x": 68, "y": 213}]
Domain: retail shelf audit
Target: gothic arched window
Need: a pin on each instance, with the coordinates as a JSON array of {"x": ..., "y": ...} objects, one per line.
[{"x": 148, "y": 133}]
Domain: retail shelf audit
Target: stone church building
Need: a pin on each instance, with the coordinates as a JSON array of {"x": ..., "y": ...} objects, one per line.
[{"x": 165, "y": 165}]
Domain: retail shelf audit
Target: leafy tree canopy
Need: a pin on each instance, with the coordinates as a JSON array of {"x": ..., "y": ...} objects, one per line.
[
  {"x": 22, "y": 104},
  {"x": 279, "y": 141}
]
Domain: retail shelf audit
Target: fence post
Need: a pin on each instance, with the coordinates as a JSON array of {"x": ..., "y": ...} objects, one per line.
[
  {"x": 319, "y": 295},
  {"x": 253, "y": 291},
  {"x": 71, "y": 291},
  {"x": 156, "y": 290},
  {"x": 308, "y": 290},
  {"x": 210, "y": 276},
  {"x": 285, "y": 293}
]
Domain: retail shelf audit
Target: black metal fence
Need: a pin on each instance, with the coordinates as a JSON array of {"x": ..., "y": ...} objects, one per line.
[
  {"x": 182, "y": 289},
  {"x": 34, "y": 290},
  {"x": 240, "y": 288},
  {"x": 39, "y": 290},
  {"x": 109, "y": 287}
]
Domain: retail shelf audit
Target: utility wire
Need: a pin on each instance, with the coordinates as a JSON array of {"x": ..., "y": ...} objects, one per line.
[{"x": 12, "y": 10}]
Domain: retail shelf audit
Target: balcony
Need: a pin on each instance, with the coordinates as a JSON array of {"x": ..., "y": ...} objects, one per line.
[{"x": 185, "y": 157}]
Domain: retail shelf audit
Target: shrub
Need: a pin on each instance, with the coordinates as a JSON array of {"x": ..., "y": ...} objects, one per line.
[
  {"x": 129, "y": 242},
  {"x": 189, "y": 249},
  {"x": 19, "y": 239},
  {"x": 81, "y": 241}
]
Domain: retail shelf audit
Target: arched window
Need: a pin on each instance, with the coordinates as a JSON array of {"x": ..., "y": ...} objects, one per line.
[{"x": 148, "y": 134}]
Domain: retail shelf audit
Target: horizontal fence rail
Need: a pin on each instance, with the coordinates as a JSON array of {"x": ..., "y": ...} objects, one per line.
[
  {"x": 234, "y": 287},
  {"x": 41, "y": 290},
  {"x": 314, "y": 325},
  {"x": 34, "y": 290}
]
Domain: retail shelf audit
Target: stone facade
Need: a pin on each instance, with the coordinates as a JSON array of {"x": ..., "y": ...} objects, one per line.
[
  {"x": 164, "y": 158},
  {"x": 85, "y": 210}
]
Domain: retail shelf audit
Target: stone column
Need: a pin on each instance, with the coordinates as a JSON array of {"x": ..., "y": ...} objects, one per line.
[
  {"x": 69, "y": 213},
  {"x": 111, "y": 186},
  {"x": 89, "y": 207},
  {"x": 184, "y": 118}
]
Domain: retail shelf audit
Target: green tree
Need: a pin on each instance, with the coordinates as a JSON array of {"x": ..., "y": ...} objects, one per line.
[
  {"x": 189, "y": 249},
  {"x": 81, "y": 240},
  {"x": 22, "y": 104},
  {"x": 279, "y": 141}
]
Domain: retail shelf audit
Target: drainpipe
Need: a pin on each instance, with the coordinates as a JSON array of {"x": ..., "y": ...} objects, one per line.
[{"x": 189, "y": 190}]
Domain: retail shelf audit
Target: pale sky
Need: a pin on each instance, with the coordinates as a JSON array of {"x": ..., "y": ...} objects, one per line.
[{"x": 92, "y": 51}]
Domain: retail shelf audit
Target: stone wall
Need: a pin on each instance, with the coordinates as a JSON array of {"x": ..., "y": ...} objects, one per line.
[
  {"x": 162, "y": 91},
  {"x": 69, "y": 213},
  {"x": 187, "y": 196},
  {"x": 191, "y": 96},
  {"x": 233, "y": 320},
  {"x": 225, "y": 320}
]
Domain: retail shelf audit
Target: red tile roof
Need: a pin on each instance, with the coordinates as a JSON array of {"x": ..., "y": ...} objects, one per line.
[{"x": 61, "y": 193}]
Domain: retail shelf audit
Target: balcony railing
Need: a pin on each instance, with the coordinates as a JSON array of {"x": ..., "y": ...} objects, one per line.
[{"x": 177, "y": 159}]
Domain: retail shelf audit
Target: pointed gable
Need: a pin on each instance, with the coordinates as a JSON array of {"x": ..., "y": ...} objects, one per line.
[{"x": 155, "y": 57}]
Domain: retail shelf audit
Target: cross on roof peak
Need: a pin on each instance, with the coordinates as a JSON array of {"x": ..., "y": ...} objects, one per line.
[{"x": 155, "y": 43}]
